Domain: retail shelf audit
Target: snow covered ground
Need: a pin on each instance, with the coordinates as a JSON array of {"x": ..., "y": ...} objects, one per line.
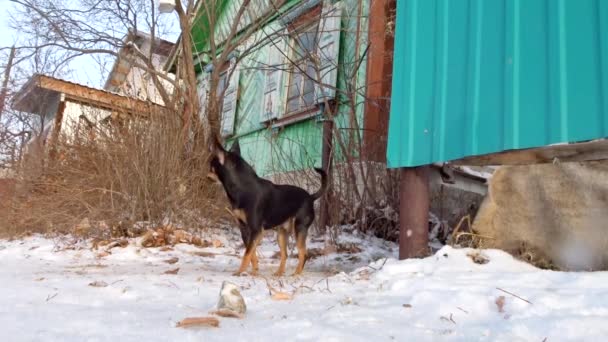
[{"x": 45, "y": 296}]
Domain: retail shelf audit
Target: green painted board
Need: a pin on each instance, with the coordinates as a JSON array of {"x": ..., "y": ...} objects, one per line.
[{"x": 298, "y": 145}]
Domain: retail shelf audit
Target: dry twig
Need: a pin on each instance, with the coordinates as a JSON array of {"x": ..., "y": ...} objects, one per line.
[{"x": 514, "y": 295}]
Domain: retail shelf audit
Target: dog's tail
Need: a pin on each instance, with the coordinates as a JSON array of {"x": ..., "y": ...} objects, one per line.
[{"x": 323, "y": 188}]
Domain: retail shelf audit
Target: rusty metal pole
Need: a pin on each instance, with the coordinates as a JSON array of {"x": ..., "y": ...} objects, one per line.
[{"x": 414, "y": 202}]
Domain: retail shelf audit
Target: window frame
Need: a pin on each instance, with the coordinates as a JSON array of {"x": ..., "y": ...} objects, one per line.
[
  {"x": 218, "y": 92},
  {"x": 304, "y": 22}
]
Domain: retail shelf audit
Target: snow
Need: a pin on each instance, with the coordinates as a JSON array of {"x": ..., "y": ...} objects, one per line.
[{"x": 341, "y": 297}]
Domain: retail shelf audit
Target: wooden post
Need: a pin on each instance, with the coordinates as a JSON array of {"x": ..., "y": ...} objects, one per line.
[
  {"x": 414, "y": 202},
  {"x": 326, "y": 166},
  {"x": 56, "y": 129}
]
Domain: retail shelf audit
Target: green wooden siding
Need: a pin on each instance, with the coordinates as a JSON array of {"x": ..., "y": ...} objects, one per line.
[
  {"x": 251, "y": 85},
  {"x": 474, "y": 77},
  {"x": 298, "y": 145}
]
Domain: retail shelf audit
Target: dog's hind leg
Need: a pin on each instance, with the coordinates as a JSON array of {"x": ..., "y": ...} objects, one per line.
[
  {"x": 282, "y": 239},
  {"x": 303, "y": 220},
  {"x": 301, "y": 244}
]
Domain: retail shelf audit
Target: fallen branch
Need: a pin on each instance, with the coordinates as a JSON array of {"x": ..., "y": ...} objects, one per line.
[
  {"x": 198, "y": 322},
  {"x": 463, "y": 310},
  {"x": 172, "y": 260},
  {"x": 448, "y": 319},
  {"x": 281, "y": 296},
  {"x": 278, "y": 295},
  {"x": 500, "y": 303},
  {"x": 381, "y": 266},
  {"x": 514, "y": 295},
  {"x": 174, "y": 285},
  {"x": 173, "y": 271},
  {"x": 98, "y": 283},
  {"x": 49, "y": 297},
  {"x": 466, "y": 218}
]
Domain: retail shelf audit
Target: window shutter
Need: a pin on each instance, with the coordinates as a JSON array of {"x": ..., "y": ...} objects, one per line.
[
  {"x": 203, "y": 93},
  {"x": 274, "y": 103},
  {"x": 230, "y": 100},
  {"x": 328, "y": 50}
]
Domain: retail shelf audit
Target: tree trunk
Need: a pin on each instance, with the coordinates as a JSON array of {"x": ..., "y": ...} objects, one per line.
[
  {"x": 7, "y": 75},
  {"x": 326, "y": 166}
]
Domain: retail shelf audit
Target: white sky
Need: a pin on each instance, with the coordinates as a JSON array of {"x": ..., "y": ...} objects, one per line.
[{"x": 8, "y": 36}]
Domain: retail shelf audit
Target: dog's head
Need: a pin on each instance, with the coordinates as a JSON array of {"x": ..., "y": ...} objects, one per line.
[{"x": 227, "y": 164}]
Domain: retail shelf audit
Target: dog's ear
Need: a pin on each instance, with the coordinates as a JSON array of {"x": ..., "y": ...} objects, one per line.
[
  {"x": 217, "y": 150},
  {"x": 235, "y": 148}
]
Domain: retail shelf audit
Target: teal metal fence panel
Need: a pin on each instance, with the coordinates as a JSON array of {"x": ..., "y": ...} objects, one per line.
[{"x": 473, "y": 77}]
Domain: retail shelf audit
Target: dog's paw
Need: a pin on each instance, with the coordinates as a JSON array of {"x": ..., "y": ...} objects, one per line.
[
  {"x": 238, "y": 273},
  {"x": 278, "y": 274}
]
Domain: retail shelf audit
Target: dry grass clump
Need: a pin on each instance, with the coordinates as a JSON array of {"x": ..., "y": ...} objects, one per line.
[
  {"x": 463, "y": 236},
  {"x": 111, "y": 177}
]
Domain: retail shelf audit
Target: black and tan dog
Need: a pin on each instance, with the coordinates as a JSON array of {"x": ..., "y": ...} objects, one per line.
[{"x": 259, "y": 204}]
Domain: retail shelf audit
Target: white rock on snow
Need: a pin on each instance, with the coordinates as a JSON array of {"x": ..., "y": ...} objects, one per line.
[{"x": 231, "y": 299}]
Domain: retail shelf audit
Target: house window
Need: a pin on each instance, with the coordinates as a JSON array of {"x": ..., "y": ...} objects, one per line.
[
  {"x": 85, "y": 127},
  {"x": 227, "y": 88},
  {"x": 302, "y": 71},
  {"x": 302, "y": 65},
  {"x": 221, "y": 87}
]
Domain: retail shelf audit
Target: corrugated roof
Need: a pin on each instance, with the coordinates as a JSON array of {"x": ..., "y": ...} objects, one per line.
[
  {"x": 28, "y": 97},
  {"x": 477, "y": 77}
]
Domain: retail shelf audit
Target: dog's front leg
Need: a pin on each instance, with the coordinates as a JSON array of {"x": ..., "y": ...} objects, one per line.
[
  {"x": 250, "y": 251},
  {"x": 254, "y": 261},
  {"x": 245, "y": 236}
]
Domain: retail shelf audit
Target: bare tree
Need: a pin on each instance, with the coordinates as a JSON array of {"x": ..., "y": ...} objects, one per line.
[
  {"x": 69, "y": 30},
  {"x": 64, "y": 31},
  {"x": 16, "y": 127},
  {"x": 360, "y": 185}
]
